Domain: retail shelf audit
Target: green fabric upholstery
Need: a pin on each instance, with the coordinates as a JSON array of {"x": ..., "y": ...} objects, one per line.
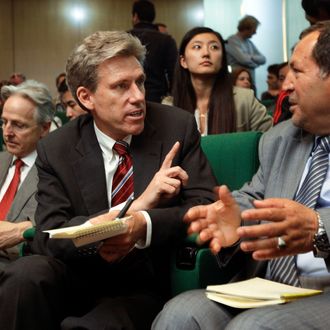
[
  {"x": 234, "y": 160},
  {"x": 233, "y": 157},
  {"x": 62, "y": 116},
  {"x": 28, "y": 236}
]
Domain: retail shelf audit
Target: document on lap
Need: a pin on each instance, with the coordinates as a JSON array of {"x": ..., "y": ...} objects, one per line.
[
  {"x": 88, "y": 233},
  {"x": 256, "y": 292}
]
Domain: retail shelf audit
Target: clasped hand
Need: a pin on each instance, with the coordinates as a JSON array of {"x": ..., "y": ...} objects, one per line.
[{"x": 220, "y": 224}]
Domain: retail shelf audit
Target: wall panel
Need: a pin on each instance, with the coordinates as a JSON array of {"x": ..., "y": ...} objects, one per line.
[
  {"x": 38, "y": 35},
  {"x": 6, "y": 39}
]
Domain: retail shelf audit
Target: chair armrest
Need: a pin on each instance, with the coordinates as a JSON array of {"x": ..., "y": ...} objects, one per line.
[{"x": 29, "y": 234}]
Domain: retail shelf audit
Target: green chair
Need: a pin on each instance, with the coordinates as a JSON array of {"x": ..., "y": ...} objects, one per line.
[
  {"x": 234, "y": 160},
  {"x": 28, "y": 236}
]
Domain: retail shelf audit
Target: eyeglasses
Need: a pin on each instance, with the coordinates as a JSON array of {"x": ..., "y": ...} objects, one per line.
[{"x": 17, "y": 127}]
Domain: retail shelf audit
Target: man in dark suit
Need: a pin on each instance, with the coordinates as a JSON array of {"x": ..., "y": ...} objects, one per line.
[
  {"x": 26, "y": 117},
  {"x": 113, "y": 285},
  {"x": 277, "y": 226},
  {"x": 161, "y": 51}
]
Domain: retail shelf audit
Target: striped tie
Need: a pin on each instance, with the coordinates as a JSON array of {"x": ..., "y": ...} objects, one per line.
[
  {"x": 284, "y": 269},
  {"x": 122, "y": 183}
]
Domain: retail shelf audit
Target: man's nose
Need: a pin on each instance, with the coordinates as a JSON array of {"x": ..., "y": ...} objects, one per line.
[
  {"x": 288, "y": 84},
  {"x": 137, "y": 93}
]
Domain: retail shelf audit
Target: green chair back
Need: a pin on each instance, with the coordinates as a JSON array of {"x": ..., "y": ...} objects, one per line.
[
  {"x": 232, "y": 156},
  {"x": 234, "y": 160}
]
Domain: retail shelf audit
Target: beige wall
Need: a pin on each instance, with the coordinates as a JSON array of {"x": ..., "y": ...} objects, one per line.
[{"x": 36, "y": 36}]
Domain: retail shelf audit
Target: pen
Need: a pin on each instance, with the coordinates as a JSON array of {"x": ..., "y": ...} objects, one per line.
[{"x": 125, "y": 208}]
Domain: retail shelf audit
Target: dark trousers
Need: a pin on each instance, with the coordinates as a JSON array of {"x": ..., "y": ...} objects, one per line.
[{"x": 39, "y": 292}]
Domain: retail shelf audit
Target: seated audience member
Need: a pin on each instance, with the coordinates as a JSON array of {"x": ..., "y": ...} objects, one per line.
[
  {"x": 26, "y": 117},
  {"x": 283, "y": 70},
  {"x": 17, "y": 78},
  {"x": 2, "y": 83},
  {"x": 202, "y": 86},
  {"x": 161, "y": 51},
  {"x": 272, "y": 82},
  {"x": 241, "y": 77},
  {"x": 123, "y": 147},
  {"x": 278, "y": 225},
  {"x": 59, "y": 79},
  {"x": 72, "y": 108},
  {"x": 282, "y": 107}
]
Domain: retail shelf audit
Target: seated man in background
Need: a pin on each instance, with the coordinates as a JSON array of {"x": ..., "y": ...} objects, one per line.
[
  {"x": 17, "y": 78},
  {"x": 71, "y": 107},
  {"x": 272, "y": 82},
  {"x": 26, "y": 117},
  {"x": 278, "y": 226},
  {"x": 122, "y": 147}
]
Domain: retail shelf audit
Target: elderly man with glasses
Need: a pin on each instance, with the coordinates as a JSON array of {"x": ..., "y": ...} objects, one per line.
[{"x": 27, "y": 114}]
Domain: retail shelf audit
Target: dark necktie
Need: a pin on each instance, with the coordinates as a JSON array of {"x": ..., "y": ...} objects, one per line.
[
  {"x": 284, "y": 269},
  {"x": 122, "y": 183},
  {"x": 10, "y": 193}
]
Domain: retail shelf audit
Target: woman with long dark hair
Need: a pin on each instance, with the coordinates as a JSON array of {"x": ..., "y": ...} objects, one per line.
[{"x": 202, "y": 85}]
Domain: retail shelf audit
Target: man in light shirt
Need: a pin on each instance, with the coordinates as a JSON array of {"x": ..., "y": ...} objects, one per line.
[{"x": 26, "y": 117}]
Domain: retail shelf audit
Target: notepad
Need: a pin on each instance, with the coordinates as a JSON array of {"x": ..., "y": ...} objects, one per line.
[
  {"x": 256, "y": 292},
  {"x": 88, "y": 233}
]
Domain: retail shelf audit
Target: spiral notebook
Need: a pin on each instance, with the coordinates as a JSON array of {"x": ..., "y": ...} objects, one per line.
[{"x": 88, "y": 233}]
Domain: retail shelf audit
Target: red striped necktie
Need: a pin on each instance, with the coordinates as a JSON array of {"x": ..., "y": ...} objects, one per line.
[
  {"x": 10, "y": 193},
  {"x": 122, "y": 183}
]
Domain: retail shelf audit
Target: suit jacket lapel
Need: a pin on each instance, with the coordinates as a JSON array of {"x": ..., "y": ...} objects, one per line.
[
  {"x": 297, "y": 153},
  {"x": 27, "y": 189},
  {"x": 89, "y": 171},
  {"x": 6, "y": 159}
]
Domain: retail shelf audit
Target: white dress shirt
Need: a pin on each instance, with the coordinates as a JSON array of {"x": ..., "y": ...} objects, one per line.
[
  {"x": 307, "y": 264},
  {"x": 29, "y": 161},
  {"x": 111, "y": 160}
]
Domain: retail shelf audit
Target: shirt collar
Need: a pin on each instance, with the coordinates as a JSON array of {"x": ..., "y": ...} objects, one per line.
[
  {"x": 106, "y": 142},
  {"x": 28, "y": 160}
]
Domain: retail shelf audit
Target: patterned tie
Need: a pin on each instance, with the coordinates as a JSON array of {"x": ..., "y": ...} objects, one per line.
[
  {"x": 122, "y": 183},
  {"x": 284, "y": 269},
  {"x": 10, "y": 193}
]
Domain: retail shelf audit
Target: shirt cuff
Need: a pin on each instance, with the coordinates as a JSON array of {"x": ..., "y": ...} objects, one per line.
[{"x": 144, "y": 244}]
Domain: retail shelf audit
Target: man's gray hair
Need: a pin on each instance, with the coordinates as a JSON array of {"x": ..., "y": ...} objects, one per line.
[
  {"x": 38, "y": 93},
  {"x": 82, "y": 65}
]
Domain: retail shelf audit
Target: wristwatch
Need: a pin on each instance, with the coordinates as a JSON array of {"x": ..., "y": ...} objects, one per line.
[{"x": 321, "y": 244}]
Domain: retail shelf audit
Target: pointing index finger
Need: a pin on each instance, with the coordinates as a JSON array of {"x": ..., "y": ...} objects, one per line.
[{"x": 167, "y": 163}]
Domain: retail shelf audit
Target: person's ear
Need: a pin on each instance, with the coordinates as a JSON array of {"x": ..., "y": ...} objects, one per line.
[
  {"x": 85, "y": 97},
  {"x": 183, "y": 62}
]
